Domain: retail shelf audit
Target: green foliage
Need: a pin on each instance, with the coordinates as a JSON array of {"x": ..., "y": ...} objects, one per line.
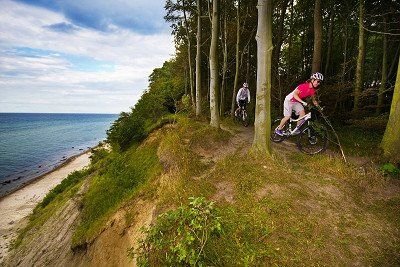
[
  {"x": 119, "y": 180},
  {"x": 71, "y": 180},
  {"x": 390, "y": 169},
  {"x": 98, "y": 154},
  {"x": 178, "y": 237},
  {"x": 165, "y": 90}
]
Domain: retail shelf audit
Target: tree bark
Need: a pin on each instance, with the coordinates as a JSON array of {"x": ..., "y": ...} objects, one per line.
[
  {"x": 189, "y": 51},
  {"x": 330, "y": 41},
  {"x": 224, "y": 68},
  {"x": 382, "y": 87},
  {"x": 235, "y": 83},
  {"x": 391, "y": 139},
  {"x": 214, "y": 111},
  {"x": 279, "y": 41},
  {"x": 198, "y": 60},
  {"x": 346, "y": 38},
  {"x": 262, "y": 123},
  {"x": 316, "y": 63},
  {"x": 360, "y": 58}
]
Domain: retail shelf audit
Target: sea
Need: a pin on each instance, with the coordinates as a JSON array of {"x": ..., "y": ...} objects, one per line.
[{"x": 32, "y": 144}]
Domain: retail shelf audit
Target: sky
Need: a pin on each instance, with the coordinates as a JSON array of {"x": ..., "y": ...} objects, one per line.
[{"x": 79, "y": 56}]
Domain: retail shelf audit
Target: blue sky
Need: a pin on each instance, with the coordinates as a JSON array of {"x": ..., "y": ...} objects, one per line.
[{"x": 79, "y": 56}]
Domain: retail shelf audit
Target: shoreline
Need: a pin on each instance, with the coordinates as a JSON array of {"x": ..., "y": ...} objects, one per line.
[
  {"x": 33, "y": 180},
  {"x": 16, "y": 206}
]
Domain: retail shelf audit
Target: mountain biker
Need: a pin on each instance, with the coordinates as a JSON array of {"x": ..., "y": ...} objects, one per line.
[
  {"x": 242, "y": 97},
  {"x": 294, "y": 101}
]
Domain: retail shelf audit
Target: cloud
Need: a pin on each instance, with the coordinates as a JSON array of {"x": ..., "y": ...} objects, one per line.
[
  {"x": 108, "y": 70},
  {"x": 141, "y": 16},
  {"x": 62, "y": 27}
]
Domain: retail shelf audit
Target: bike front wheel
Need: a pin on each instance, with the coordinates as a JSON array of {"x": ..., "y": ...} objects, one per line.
[
  {"x": 276, "y": 137},
  {"x": 313, "y": 140},
  {"x": 245, "y": 118}
]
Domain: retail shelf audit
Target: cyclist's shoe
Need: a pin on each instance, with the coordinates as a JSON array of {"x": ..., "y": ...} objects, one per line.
[{"x": 279, "y": 132}]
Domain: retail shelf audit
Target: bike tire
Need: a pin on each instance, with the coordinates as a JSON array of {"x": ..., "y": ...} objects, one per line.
[
  {"x": 245, "y": 118},
  {"x": 276, "y": 137},
  {"x": 313, "y": 140}
]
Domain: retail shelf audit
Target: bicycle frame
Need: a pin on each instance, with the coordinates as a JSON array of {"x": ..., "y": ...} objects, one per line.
[{"x": 305, "y": 118}]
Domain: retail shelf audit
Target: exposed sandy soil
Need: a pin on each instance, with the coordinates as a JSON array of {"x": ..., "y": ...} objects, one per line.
[{"x": 15, "y": 207}]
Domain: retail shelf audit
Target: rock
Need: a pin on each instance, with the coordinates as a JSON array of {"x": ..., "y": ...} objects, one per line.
[{"x": 11, "y": 223}]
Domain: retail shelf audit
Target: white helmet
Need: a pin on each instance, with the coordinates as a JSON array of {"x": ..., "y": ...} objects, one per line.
[
  {"x": 245, "y": 85},
  {"x": 317, "y": 76}
]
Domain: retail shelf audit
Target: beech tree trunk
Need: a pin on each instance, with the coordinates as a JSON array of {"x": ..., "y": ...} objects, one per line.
[
  {"x": 391, "y": 139},
  {"x": 279, "y": 41},
  {"x": 235, "y": 83},
  {"x": 262, "y": 123},
  {"x": 360, "y": 58},
  {"x": 214, "y": 111},
  {"x": 198, "y": 60},
  {"x": 316, "y": 63},
  {"x": 189, "y": 51},
  {"x": 330, "y": 41},
  {"x": 224, "y": 68},
  {"x": 382, "y": 87}
]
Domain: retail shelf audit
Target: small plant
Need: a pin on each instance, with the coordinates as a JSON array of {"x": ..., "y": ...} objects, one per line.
[
  {"x": 179, "y": 236},
  {"x": 390, "y": 169}
]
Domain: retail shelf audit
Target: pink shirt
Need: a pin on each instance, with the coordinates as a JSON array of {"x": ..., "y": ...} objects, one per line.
[{"x": 304, "y": 91}]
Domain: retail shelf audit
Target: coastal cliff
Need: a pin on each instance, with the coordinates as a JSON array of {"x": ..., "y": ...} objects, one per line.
[{"x": 284, "y": 209}]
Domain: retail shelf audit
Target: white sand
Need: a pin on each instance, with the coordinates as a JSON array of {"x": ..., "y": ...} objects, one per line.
[{"x": 15, "y": 207}]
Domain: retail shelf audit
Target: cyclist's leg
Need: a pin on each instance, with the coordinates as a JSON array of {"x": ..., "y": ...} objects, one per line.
[
  {"x": 287, "y": 112},
  {"x": 299, "y": 111}
]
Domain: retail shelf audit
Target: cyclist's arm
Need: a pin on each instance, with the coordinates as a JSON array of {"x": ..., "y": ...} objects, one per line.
[
  {"x": 296, "y": 96},
  {"x": 314, "y": 100},
  {"x": 248, "y": 94},
  {"x": 237, "y": 96}
]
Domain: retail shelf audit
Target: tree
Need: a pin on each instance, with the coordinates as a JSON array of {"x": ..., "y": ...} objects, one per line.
[
  {"x": 382, "y": 87},
  {"x": 198, "y": 60},
  {"x": 391, "y": 139},
  {"x": 235, "y": 83},
  {"x": 214, "y": 111},
  {"x": 262, "y": 123},
  {"x": 360, "y": 58},
  {"x": 316, "y": 63}
]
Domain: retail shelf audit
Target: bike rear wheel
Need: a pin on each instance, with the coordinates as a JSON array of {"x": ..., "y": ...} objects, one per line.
[
  {"x": 274, "y": 137},
  {"x": 313, "y": 139}
]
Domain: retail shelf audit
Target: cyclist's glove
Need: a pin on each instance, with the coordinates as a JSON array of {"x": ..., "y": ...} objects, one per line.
[{"x": 304, "y": 104}]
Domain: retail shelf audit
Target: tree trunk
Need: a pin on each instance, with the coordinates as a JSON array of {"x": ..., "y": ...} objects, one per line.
[
  {"x": 214, "y": 111},
  {"x": 360, "y": 58},
  {"x": 198, "y": 60},
  {"x": 382, "y": 87},
  {"x": 224, "y": 68},
  {"x": 262, "y": 123},
  {"x": 330, "y": 41},
  {"x": 290, "y": 42},
  {"x": 189, "y": 51},
  {"x": 391, "y": 139},
  {"x": 316, "y": 63},
  {"x": 235, "y": 83},
  {"x": 346, "y": 38},
  {"x": 279, "y": 41}
]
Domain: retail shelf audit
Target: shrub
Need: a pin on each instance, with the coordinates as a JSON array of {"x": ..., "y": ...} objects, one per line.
[{"x": 179, "y": 236}]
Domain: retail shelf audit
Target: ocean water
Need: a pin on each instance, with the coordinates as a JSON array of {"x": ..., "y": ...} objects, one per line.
[{"x": 32, "y": 144}]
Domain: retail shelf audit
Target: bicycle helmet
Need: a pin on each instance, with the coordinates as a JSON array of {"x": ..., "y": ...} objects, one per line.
[
  {"x": 317, "y": 76},
  {"x": 245, "y": 85}
]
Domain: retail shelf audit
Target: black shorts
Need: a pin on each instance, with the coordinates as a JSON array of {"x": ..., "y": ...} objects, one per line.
[{"x": 243, "y": 103}]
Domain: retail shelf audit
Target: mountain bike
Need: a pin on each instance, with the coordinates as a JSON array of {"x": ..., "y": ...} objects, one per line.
[
  {"x": 242, "y": 116},
  {"x": 312, "y": 135}
]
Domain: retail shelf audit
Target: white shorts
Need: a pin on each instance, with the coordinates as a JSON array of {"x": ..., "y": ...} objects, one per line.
[{"x": 288, "y": 106}]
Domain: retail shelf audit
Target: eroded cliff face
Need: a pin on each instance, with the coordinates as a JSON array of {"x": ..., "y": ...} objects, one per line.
[{"x": 51, "y": 244}]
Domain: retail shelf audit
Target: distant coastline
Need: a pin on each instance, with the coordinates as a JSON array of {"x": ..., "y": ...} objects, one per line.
[{"x": 37, "y": 178}]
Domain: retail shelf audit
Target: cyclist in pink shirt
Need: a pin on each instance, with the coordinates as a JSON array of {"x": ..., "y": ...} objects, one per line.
[{"x": 294, "y": 100}]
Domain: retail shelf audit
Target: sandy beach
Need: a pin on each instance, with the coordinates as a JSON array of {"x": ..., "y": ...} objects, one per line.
[{"x": 15, "y": 207}]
